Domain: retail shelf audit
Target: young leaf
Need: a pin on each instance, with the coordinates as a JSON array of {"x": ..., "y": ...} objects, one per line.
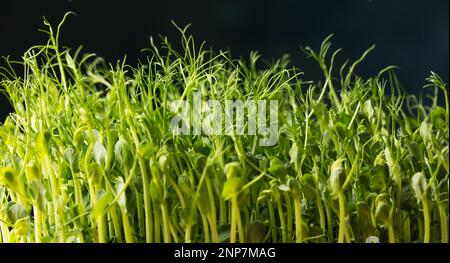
[
  {"x": 232, "y": 187},
  {"x": 100, "y": 206},
  {"x": 419, "y": 184},
  {"x": 100, "y": 154}
]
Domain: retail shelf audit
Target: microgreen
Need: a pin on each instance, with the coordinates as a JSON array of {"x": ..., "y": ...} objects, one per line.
[{"x": 88, "y": 154}]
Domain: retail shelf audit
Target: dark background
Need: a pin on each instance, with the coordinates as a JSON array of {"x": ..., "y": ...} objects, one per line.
[{"x": 411, "y": 34}]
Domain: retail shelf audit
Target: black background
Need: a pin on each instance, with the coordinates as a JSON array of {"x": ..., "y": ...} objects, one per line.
[
  {"x": 411, "y": 34},
  {"x": 284, "y": 252}
]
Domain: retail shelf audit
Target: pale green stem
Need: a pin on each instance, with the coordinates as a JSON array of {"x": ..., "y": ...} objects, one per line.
[
  {"x": 342, "y": 223},
  {"x": 298, "y": 220}
]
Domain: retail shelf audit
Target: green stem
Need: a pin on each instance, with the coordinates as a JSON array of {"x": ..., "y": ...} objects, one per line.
[
  {"x": 147, "y": 202},
  {"x": 93, "y": 201},
  {"x": 222, "y": 212},
  {"x": 241, "y": 233},
  {"x": 420, "y": 227},
  {"x": 298, "y": 220},
  {"x": 157, "y": 237},
  {"x": 166, "y": 224},
  {"x": 188, "y": 233},
  {"x": 207, "y": 238},
  {"x": 213, "y": 227},
  {"x": 444, "y": 223},
  {"x": 342, "y": 223},
  {"x": 101, "y": 224},
  {"x": 212, "y": 212},
  {"x": 37, "y": 224},
  {"x": 55, "y": 190},
  {"x": 127, "y": 229},
  {"x": 348, "y": 238},
  {"x": 236, "y": 221},
  {"x": 329, "y": 225},
  {"x": 289, "y": 215},
  {"x": 111, "y": 231},
  {"x": 321, "y": 214},
  {"x": 78, "y": 198},
  {"x": 391, "y": 232},
  {"x": 116, "y": 223},
  {"x": 140, "y": 214},
  {"x": 398, "y": 214},
  {"x": 173, "y": 232},
  {"x": 407, "y": 228},
  {"x": 233, "y": 219},
  {"x": 146, "y": 190},
  {"x": 282, "y": 221},
  {"x": 426, "y": 219},
  {"x": 102, "y": 228},
  {"x": 177, "y": 190},
  {"x": 272, "y": 222}
]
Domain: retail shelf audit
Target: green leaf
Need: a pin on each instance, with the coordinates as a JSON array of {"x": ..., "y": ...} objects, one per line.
[
  {"x": 95, "y": 172},
  {"x": 363, "y": 132},
  {"x": 341, "y": 130},
  {"x": 156, "y": 191},
  {"x": 275, "y": 191},
  {"x": 100, "y": 206},
  {"x": 364, "y": 178},
  {"x": 419, "y": 185},
  {"x": 164, "y": 164},
  {"x": 185, "y": 183},
  {"x": 382, "y": 210},
  {"x": 146, "y": 150},
  {"x": 327, "y": 142},
  {"x": 344, "y": 118},
  {"x": 368, "y": 109},
  {"x": 43, "y": 142},
  {"x": 200, "y": 146},
  {"x": 224, "y": 233},
  {"x": 71, "y": 157},
  {"x": 38, "y": 193},
  {"x": 293, "y": 153},
  {"x": 363, "y": 209},
  {"x": 100, "y": 154},
  {"x": 378, "y": 175},
  {"x": 308, "y": 185},
  {"x": 95, "y": 133},
  {"x": 22, "y": 227},
  {"x": 232, "y": 187},
  {"x": 131, "y": 197},
  {"x": 294, "y": 186},
  {"x": 425, "y": 132},
  {"x": 232, "y": 170},
  {"x": 8, "y": 178},
  {"x": 122, "y": 201},
  {"x": 417, "y": 151},
  {"x": 256, "y": 232},
  {"x": 119, "y": 151},
  {"x": 32, "y": 171},
  {"x": 244, "y": 199},
  {"x": 16, "y": 212},
  {"x": 277, "y": 168},
  {"x": 407, "y": 197},
  {"x": 200, "y": 162},
  {"x": 438, "y": 118},
  {"x": 337, "y": 176},
  {"x": 203, "y": 200}
]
